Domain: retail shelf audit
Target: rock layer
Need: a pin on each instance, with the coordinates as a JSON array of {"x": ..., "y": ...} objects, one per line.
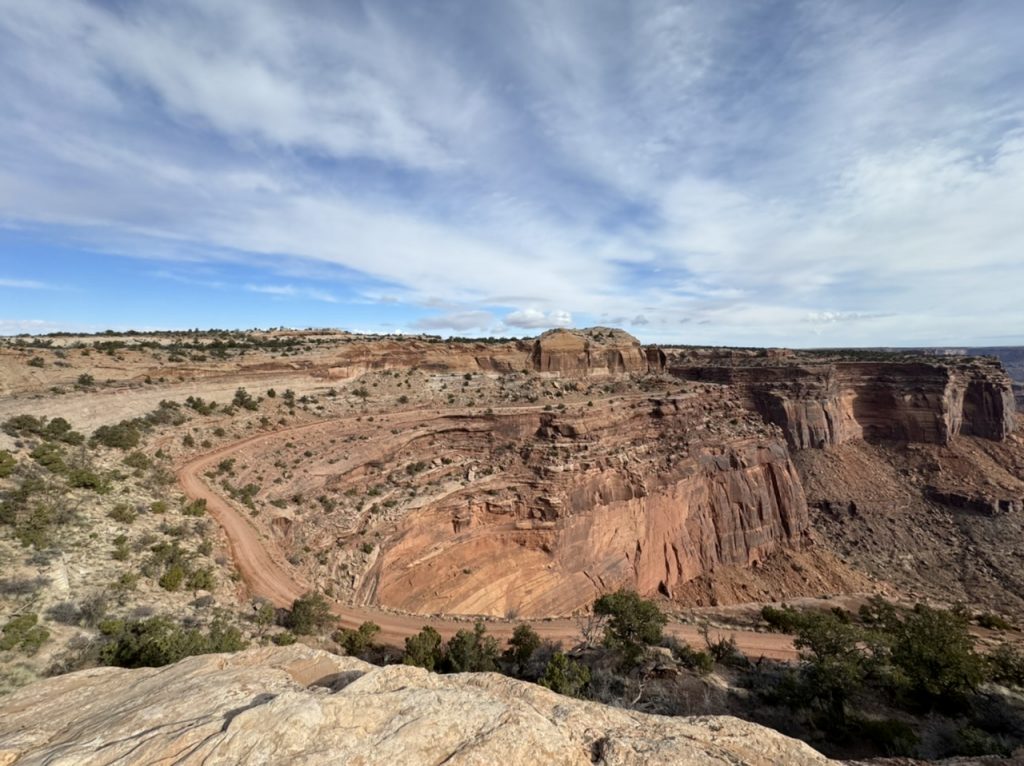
[
  {"x": 824, "y": 405},
  {"x": 296, "y": 705},
  {"x": 640, "y": 495},
  {"x": 593, "y": 351}
]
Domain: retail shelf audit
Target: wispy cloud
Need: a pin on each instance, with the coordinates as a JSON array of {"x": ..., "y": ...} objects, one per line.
[
  {"x": 752, "y": 174},
  {"x": 26, "y": 284},
  {"x": 290, "y": 291}
]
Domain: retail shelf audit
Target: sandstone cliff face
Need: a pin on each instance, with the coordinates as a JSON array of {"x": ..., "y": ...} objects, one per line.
[
  {"x": 640, "y": 495},
  {"x": 295, "y": 705},
  {"x": 824, "y": 405},
  {"x": 593, "y": 351}
]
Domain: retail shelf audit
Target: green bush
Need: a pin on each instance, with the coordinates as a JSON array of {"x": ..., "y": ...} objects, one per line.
[
  {"x": 122, "y": 513},
  {"x": 84, "y": 478},
  {"x": 23, "y": 633},
  {"x": 7, "y": 463},
  {"x": 201, "y": 579},
  {"x": 356, "y": 642},
  {"x": 521, "y": 646},
  {"x": 471, "y": 651},
  {"x": 309, "y": 614},
  {"x": 565, "y": 676},
  {"x": 160, "y": 641},
  {"x": 424, "y": 649},
  {"x": 50, "y": 456},
  {"x": 284, "y": 638},
  {"x": 1006, "y": 666},
  {"x": 123, "y": 436},
  {"x": 137, "y": 460},
  {"x": 196, "y": 507},
  {"x": 172, "y": 578},
  {"x": 86, "y": 380},
  {"x": 633, "y": 623},
  {"x": 934, "y": 651}
]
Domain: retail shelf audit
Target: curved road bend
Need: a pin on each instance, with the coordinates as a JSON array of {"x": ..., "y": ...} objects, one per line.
[{"x": 268, "y": 575}]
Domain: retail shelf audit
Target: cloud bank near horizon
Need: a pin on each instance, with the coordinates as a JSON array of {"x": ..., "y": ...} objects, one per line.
[{"x": 771, "y": 173}]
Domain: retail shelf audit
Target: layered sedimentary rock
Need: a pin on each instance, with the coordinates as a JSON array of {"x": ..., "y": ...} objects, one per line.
[
  {"x": 593, "y": 351},
  {"x": 824, "y": 405},
  {"x": 649, "y": 494},
  {"x": 296, "y": 705}
]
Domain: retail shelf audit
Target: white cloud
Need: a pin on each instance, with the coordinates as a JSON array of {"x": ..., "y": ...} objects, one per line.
[
  {"x": 832, "y": 170},
  {"x": 290, "y": 291},
  {"x": 467, "y": 320},
  {"x": 25, "y": 284},
  {"x": 533, "y": 319}
]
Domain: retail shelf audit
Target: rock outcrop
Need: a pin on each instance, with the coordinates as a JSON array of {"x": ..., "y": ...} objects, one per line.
[
  {"x": 590, "y": 352},
  {"x": 296, "y": 705},
  {"x": 824, "y": 405},
  {"x": 649, "y": 494}
]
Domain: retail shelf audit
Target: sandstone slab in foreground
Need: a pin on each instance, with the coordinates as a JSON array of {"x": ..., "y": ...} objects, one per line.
[{"x": 299, "y": 705}]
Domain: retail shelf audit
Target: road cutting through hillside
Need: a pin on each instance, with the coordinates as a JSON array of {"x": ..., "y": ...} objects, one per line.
[{"x": 268, "y": 575}]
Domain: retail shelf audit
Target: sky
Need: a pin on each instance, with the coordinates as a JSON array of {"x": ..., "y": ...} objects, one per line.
[{"x": 742, "y": 173}]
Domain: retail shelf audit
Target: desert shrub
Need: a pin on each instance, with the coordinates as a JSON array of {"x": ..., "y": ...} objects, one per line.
[
  {"x": 565, "y": 676},
  {"x": 36, "y": 361},
  {"x": 1006, "y": 665},
  {"x": 201, "y": 579},
  {"x": 993, "y": 621},
  {"x": 64, "y": 612},
  {"x": 244, "y": 399},
  {"x": 85, "y": 478},
  {"x": 121, "y": 552},
  {"x": 195, "y": 507},
  {"x": 22, "y": 633},
  {"x": 188, "y": 440},
  {"x": 309, "y": 614},
  {"x": 690, "y": 658},
  {"x": 125, "y": 435},
  {"x": 86, "y": 380},
  {"x": 934, "y": 651},
  {"x": 784, "y": 620},
  {"x": 50, "y": 456},
  {"x": 284, "y": 638},
  {"x": 7, "y": 464},
  {"x": 160, "y": 641},
  {"x": 123, "y": 513},
  {"x": 424, "y": 649},
  {"x": 471, "y": 651},
  {"x": 633, "y": 624},
  {"x": 521, "y": 646},
  {"x": 834, "y": 665},
  {"x": 172, "y": 578},
  {"x": 357, "y": 642},
  {"x": 158, "y": 507},
  {"x": 137, "y": 460}
]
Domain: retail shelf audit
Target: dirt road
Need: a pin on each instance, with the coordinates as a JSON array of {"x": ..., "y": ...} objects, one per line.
[{"x": 268, "y": 574}]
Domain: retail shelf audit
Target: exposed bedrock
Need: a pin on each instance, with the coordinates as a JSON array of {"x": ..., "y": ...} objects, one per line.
[
  {"x": 820, "y": 406},
  {"x": 593, "y": 351},
  {"x": 641, "y": 496}
]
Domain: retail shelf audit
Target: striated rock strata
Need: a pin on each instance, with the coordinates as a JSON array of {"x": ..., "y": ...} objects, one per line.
[
  {"x": 824, "y": 405},
  {"x": 593, "y": 351},
  {"x": 648, "y": 494},
  {"x": 296, "y": 705}
]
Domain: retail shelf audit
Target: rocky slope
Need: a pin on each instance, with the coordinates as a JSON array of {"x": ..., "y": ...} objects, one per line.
[
  {"x": 826, "y": 404},
  {"x": 640, "y": 494},
  {"x": 297, "y": 705}
]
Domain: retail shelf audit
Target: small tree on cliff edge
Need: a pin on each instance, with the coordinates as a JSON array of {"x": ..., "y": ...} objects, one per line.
[{"x": 633, "y": 624}]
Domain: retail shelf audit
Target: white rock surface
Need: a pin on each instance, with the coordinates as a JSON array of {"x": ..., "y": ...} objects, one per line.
[{"x": 298, "y": 705}]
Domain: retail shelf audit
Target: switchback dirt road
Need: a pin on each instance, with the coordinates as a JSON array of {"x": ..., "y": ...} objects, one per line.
[{"x": 267, "y": 574}]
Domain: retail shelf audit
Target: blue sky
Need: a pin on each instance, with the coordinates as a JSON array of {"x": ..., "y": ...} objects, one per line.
[{"x": 747, "y": 173}]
